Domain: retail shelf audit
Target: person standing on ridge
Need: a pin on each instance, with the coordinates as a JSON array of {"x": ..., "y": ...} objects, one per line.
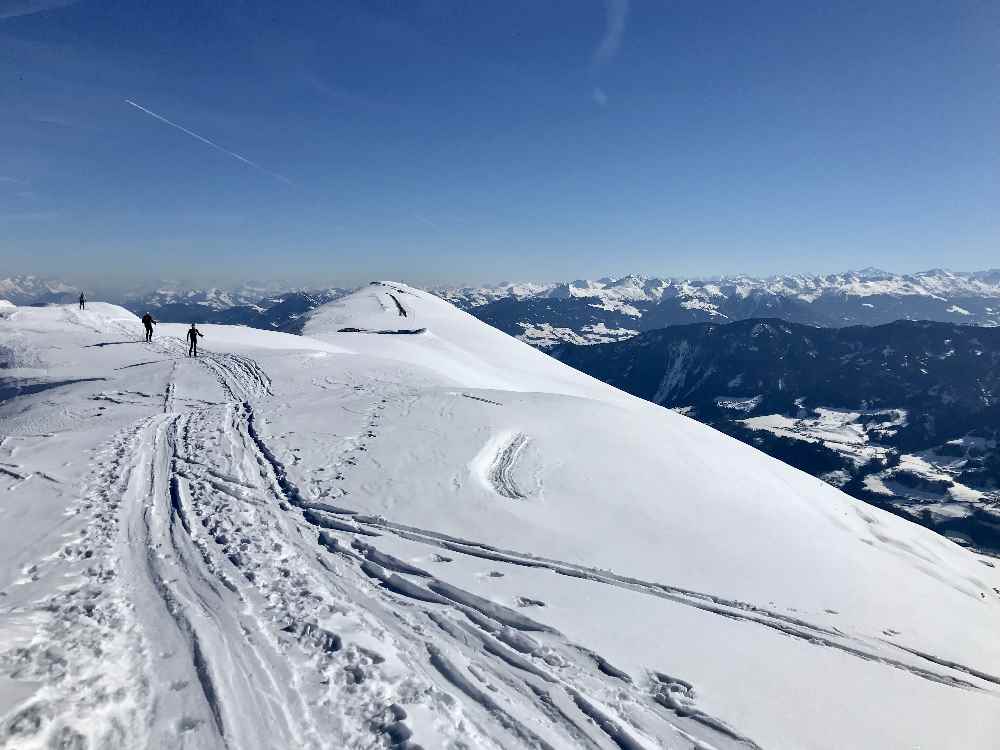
[
  {"x": 148, "y": 322},
  {"x": 193, "y": 334},
  {"x": 83, "y": 301}
]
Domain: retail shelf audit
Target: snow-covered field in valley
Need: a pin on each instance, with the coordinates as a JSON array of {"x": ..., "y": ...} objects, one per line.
[{"x": 406, "y": 529}]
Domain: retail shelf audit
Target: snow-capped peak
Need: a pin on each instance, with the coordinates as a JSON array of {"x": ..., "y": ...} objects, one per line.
[{"x": 862, "y": 283}]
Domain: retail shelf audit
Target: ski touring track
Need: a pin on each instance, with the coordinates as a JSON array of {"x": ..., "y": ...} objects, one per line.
[
  {"x": 219, "y": 607},
  {"x": 504, "y": 664},
  {"x": 194, "y": 622}
]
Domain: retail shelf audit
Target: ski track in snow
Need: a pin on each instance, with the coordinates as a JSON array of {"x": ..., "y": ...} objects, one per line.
[
  {"x": 204, "y": 552},
  {"x": 500, "y": 472},
  {"x": 218, "y": 607},
  {"x": 740, "y": 611},
  {"x": 494, "y": 644},
  {"x": 674, "y": 694},
  {"x": 480, "y": 398},
  {"x": 399, "y": 306}
]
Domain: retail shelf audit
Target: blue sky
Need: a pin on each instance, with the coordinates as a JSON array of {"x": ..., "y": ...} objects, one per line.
[{"x": 457, "y": 140}]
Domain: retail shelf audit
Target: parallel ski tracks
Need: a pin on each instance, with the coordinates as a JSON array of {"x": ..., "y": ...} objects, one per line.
[{"x": 532, "y": 666}]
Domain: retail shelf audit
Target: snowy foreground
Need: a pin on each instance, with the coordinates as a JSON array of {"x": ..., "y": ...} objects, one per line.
[{"x": 437, "y": 536}]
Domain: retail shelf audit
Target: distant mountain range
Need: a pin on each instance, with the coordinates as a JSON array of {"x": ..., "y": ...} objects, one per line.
[
  {"x": 612, "y": 309},
  {"x": 279, "y": 312},
  {"x": 589, "y": 312},
  {"x": 30, "y": 289},
  {"x": 905, "y": 415},
  {"x": 256, "y": 305}
]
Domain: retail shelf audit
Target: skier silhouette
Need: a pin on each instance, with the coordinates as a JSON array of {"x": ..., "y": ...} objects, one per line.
[
  {"x": 148, "y": 322},
  {"x": 83, "y": 301},
  {"x": 192, "y": 336}
]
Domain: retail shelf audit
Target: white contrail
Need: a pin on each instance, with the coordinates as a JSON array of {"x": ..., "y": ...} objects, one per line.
[
  {"x": 424, "y": 220},
  {"x": 214, "y": 145},
  {"x": 614, "y": 31}
]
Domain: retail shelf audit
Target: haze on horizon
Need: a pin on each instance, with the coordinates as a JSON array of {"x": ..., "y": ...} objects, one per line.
[{"x": 439, "y": 141}]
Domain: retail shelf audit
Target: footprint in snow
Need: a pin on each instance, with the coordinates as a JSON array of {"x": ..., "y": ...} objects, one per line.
[
  {"x": 355, "y": 673},
  {"x": 188, "y": 724},
  {"x": 524, "y": 601}
]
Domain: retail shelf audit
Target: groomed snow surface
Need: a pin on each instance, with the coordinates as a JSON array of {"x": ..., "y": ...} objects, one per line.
[{"x": 406, "y": 529}]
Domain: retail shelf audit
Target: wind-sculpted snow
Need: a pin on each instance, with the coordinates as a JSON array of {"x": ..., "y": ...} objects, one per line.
[{"x": 444, "y": 540}]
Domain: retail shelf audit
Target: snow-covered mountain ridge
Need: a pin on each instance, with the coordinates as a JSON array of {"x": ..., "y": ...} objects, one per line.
[
  {"x": 710, "y": 292},
  {"x": 28, "y": 288},
  {"x": 404, "y": 528},
  {"x": 612, "y": 309}
]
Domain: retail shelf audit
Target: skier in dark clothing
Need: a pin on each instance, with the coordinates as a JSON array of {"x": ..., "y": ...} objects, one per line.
[
  {"x": 148, "y": 322},
  {"x": 193, "y": 334},
  {"x": 83, "y": 301}
]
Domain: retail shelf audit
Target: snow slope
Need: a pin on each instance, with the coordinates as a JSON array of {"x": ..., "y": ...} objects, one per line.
[{"x": 441, "y": 538}]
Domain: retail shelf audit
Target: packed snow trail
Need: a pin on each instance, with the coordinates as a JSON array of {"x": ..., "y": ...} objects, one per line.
[
  {"x": 289, "y": 543},
  {"x": 215, "y": 676},
  {"x": 83, "y": 624}
]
